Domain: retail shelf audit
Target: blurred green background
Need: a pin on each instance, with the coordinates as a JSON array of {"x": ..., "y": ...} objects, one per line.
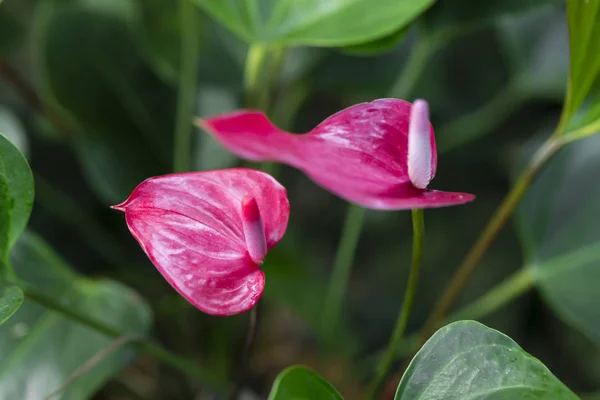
[{"x": 88, "y": 91}]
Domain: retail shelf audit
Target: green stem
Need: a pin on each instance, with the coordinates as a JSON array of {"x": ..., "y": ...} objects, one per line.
[
  {"x": 498, "y": 220},
  {"x": 180, "y": 363},
  {"x": 341, "y": 271},
  {"x": 483, "y": 120},
  {"x": 190, "y": 51},
  {"x": 256, "y": 97},
  {"x": 409, "y": 297}
]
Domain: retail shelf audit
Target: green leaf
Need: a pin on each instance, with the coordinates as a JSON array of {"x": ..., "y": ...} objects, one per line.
[
  {"x": 301, "y": 383},
  {"x": 40, "y": 349},
  {"x": 122, "y": 134},
  {"x": 584, "y": 41},
  {"x": 557, "y": 222},
  {"x": 11, "y": 298},
  {"x": 314, "y": 22},
  {"x": 16, "y": 196},
  {"x": 467, "y": 360}
]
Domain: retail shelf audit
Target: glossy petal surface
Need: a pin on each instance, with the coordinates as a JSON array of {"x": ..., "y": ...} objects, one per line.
[
  {"x": 359, "y": 153},
  {"x": 190, "y": 226}
]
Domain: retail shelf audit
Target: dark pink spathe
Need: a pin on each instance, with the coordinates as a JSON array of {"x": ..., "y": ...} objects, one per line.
[
  {"x": 207, "y": 232},
  {"x": 360, "y": 153}
]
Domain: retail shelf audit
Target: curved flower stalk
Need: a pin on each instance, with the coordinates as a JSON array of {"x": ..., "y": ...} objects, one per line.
[
  {"x": 380, "y": 155},
  {"x": 208, "y": 232}
]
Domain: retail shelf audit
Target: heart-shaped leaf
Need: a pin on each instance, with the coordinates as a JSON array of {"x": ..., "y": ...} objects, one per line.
[
  {"x": 467, "y": 360},
  {"x": 584, "y": 42},
  {"x": 314, "y": 22},
  {"x": 16, "y": 196},
  {"x": 11, "y": 298},
  {"x": 40, "y": 349},
  {"x": 557, "y": 222},
  {"x": 299, "y": 382}
]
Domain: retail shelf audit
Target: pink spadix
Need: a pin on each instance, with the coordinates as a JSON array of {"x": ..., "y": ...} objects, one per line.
[
  {"x": 419, "y": 145},
  {"x": 254, "y": 231},
  {"x": 208, "y": 232},
  {"x": 380, "y": 155}
]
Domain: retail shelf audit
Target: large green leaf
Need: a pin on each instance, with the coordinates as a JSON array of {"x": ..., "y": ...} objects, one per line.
[
  {"x": 16, "y": 196},
  {"x": 557, "y": 221},
  {"x": 584, "y": 41},
  {"x": 40, "y": 349},
  {"x": 11, "y": 298},
  {"x": 467, "y": 360},
  {"x": 97, "y": 76},
  {"x": 301, "y": 383},
  {"x": 314, "y": 22}
]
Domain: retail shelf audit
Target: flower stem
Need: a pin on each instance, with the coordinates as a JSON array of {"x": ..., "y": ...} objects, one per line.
[
  {"x": 489, "y": 233},
  {"x": 190, "y": 52},
  {"x": 409, "y": 297},
  {"x": 178, "y": 362},
  {"x": 341, "y": 271}
]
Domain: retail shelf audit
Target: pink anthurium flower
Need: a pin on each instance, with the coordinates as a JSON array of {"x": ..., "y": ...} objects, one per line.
[
  {"x": 208, "y": 232},
  {"x": 380, "y": 155}
]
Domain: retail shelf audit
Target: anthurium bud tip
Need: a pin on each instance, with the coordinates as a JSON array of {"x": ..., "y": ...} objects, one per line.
[
  {"x": 419, "y": 145},
  {"x": 199, "y": 122},
  {"x": 120, "y": 207},
  {"x": 254, "y": 231}
]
